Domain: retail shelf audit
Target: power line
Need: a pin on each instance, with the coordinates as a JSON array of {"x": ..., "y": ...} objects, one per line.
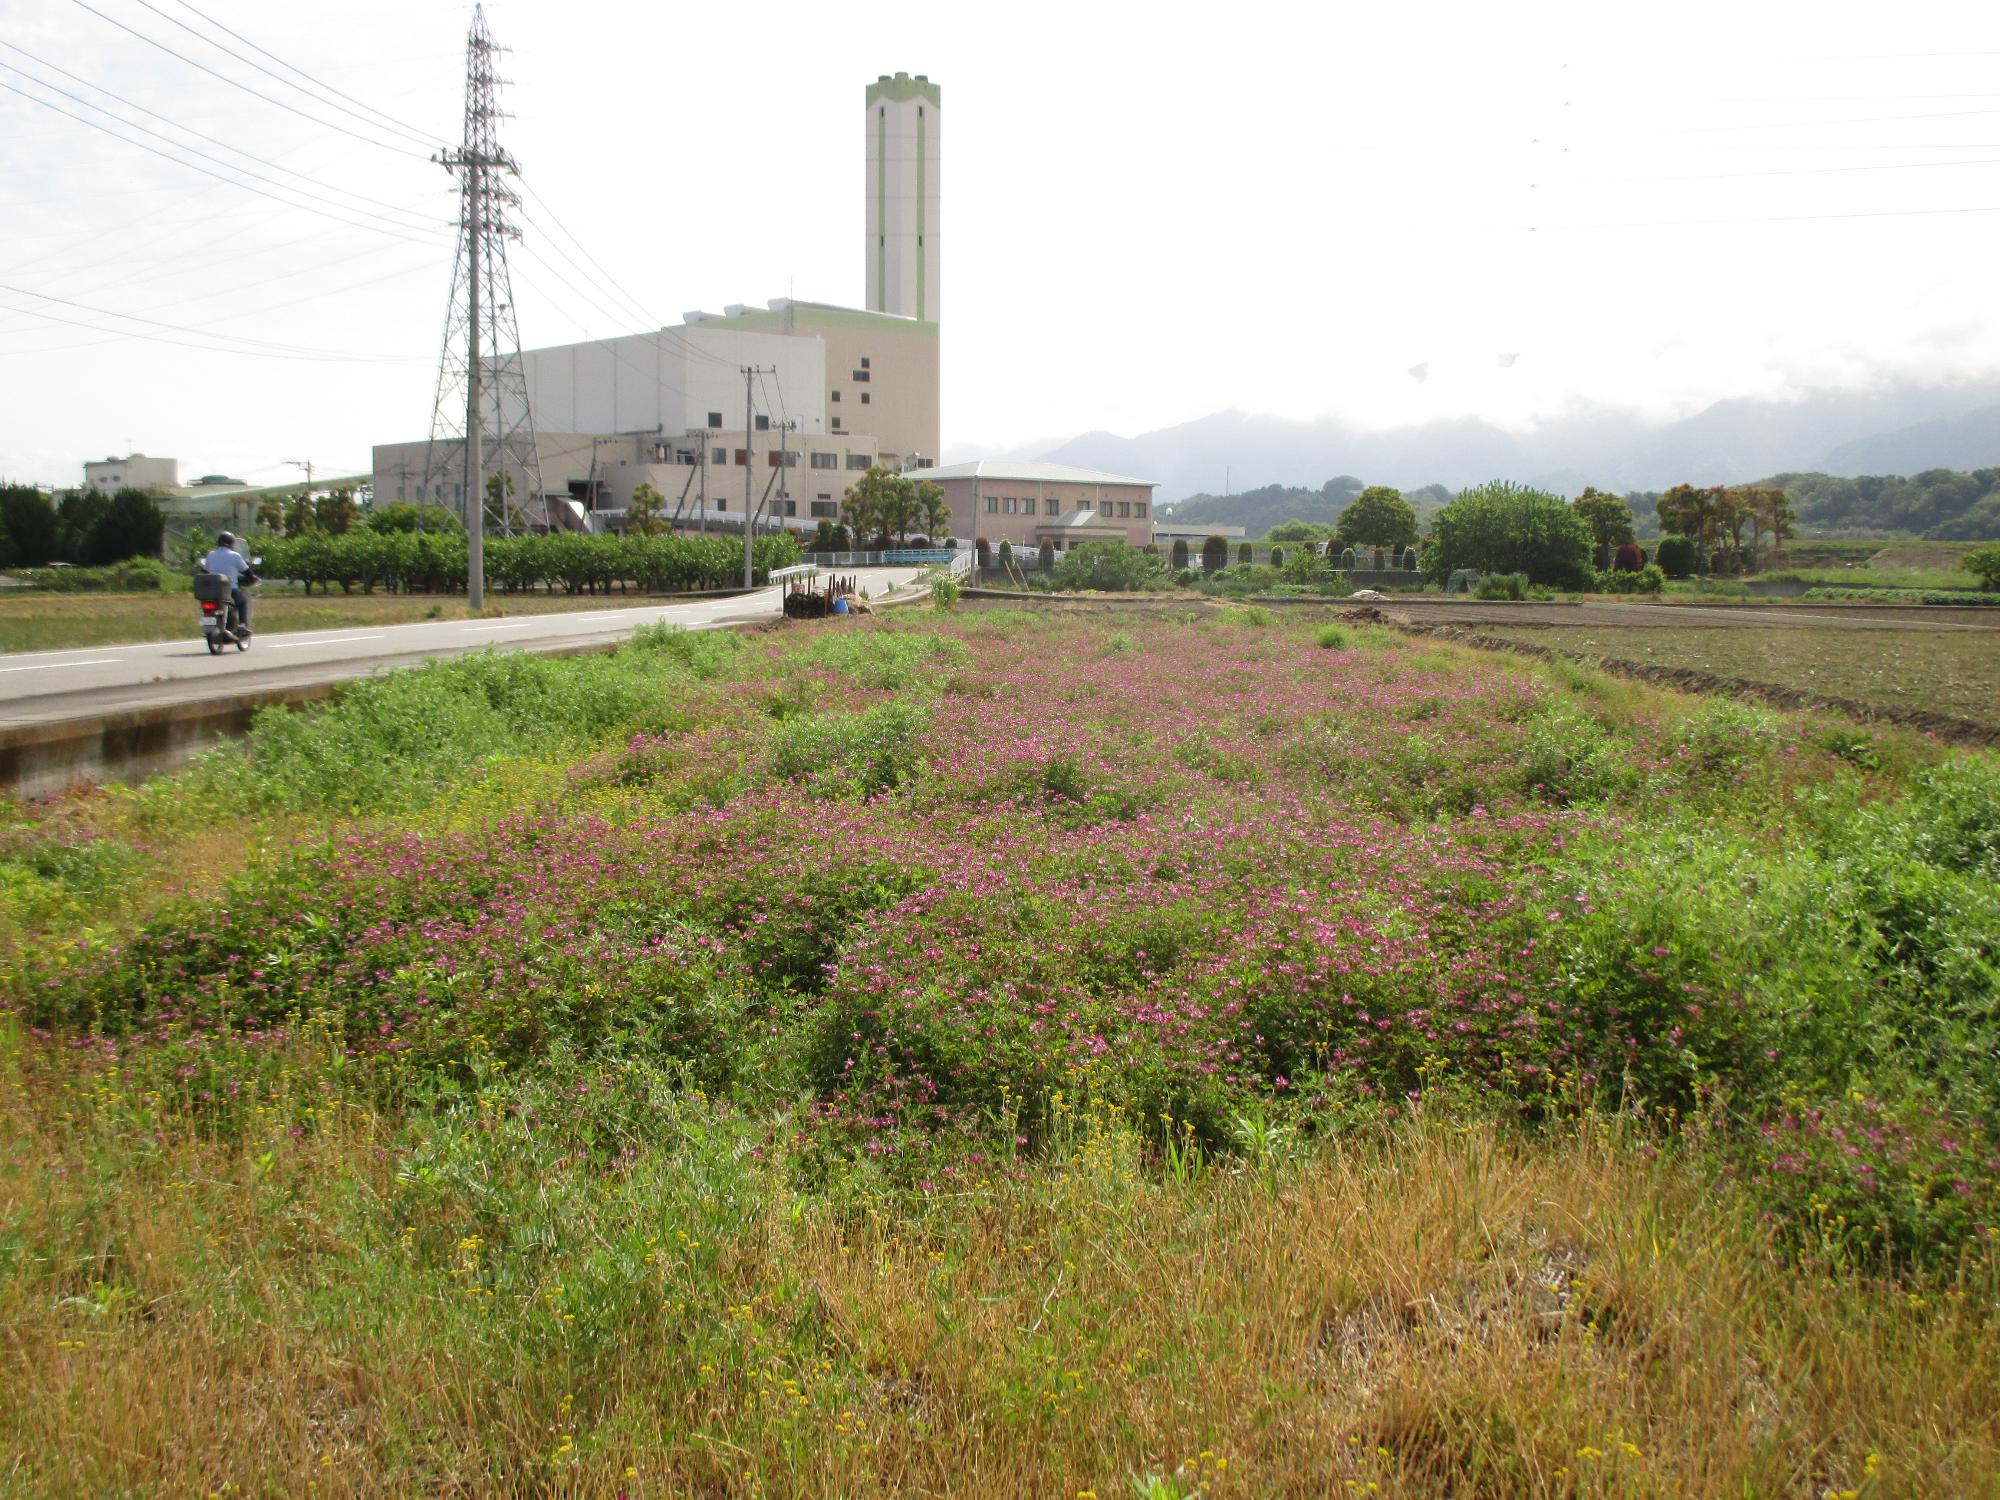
[
  {"x": 1889, "y": 213},
  {"x": 422, "y": 137},
  {"x": 177, "y": 145},
  {"x": 318, "y": 357},
  {"x": 179, "y": 161},
  {"x": 1880, "y": 166},
  {"x": 1947, "y": 114},
  {"x": 236, "y": 83},
  {"x": 105, "y": 312},
  {"x": 203, "y": 329}
]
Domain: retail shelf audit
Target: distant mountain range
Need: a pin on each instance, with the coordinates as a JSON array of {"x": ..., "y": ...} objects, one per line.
[{"x": 1895, "y": 430}]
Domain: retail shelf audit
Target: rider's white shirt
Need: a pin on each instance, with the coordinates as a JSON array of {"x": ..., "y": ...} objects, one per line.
[{"x": 230, "y": 564}]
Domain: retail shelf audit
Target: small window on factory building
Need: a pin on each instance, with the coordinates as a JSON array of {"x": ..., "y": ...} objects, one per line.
[
  {"x": 742, "y": 458},
  {"x": 763, "y": 423},
  {"x": 860, "y": 376},
  {"x": 824, "y": 507},
  {"x": 992, "y": 505},
  {"x": 864, "y": 361},
  {"x": 864, "y": 398},
  {"x": 834, "y": 396},
  {"x": 826, "y": 461},
  {"x": 718, "y": 455},
  {"x": 858, "y": 460},
  {"x": 1054, "y": 507},
  {"x": 1139, "y": 510},
  {"x": 715, "y": 419}
]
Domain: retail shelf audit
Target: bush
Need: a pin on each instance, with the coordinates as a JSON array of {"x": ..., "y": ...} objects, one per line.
[
  {"x": 1502, "y": 586},
  {"x": 1508, "y": 528},
  {"x": 1646, "y": 580},
  {"x": 1006, "y": 555},
  {"x": 944, "y": 591},
  {"x": 1277, "y": 557},
  {"x": 1179, "y": 560},
  {"x": 1629, "y": 558},
  {"x": 1112, "y": 566},
  {"x": 1243, "y": 553},
  {"x": 136, "y": 575},
  {"x": 1045, "y": 556},
  {"x": 1983, "y": 563},
  {"x": 1676, "y": 556},
  {"x": 1899, "y": 596},
  {"x": 1330, "y": 638},
  {"x": 1214, "y": 555}
]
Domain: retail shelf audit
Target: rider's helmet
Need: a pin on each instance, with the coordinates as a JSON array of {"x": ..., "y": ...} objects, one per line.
[{"x": 225, "y": 539}]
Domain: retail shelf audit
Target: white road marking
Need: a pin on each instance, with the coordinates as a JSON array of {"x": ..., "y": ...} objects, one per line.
[
  {"x": 339, "y": 640},
  {"x": 43, "y": 666},
  {"x": 72, "y": 651},
  {"x": 510, "y": 625}
]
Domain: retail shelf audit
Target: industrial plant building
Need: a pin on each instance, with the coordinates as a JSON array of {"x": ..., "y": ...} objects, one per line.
[{"x": 842, "y": 388}]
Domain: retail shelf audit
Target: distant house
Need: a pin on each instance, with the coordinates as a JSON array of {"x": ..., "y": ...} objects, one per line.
[{"x": 1027, "y": 503}]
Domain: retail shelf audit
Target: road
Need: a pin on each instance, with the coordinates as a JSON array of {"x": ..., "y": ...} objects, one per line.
[{"x": 49, "y": 687}]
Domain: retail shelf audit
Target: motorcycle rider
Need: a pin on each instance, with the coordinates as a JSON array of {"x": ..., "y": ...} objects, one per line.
[{"x": 226, "y": 560}]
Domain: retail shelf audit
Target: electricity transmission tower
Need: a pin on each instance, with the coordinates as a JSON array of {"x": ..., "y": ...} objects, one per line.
[{"x": 482, "y": 431}]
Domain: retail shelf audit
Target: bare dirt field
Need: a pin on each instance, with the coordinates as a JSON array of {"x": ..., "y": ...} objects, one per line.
[{"x": 1893, "y": 665}]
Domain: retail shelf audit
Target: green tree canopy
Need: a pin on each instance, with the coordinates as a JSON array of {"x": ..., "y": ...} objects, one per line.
[
  {"x": 883, "y": 504},
  {"x": 1608, "y": 516},
  {"x": 1300, "y": 531},
  {"x": 1984, "y": 564},
  {"x": 1378, "y": 517},
  {"x": 30, "y": 523},
  {"x": 1509, "y": 528},
  {"x": 131, "y": 526},
  {"x": 642, "y": 514}
]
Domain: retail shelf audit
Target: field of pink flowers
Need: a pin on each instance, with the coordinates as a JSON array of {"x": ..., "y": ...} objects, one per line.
[{"x": 922, "y": 904}]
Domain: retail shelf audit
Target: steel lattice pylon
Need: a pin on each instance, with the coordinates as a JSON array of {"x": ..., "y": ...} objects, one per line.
[{"x": 480, "y": 325}]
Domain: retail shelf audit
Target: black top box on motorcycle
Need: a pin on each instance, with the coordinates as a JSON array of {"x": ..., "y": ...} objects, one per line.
[{"x": 212, "y": 588}]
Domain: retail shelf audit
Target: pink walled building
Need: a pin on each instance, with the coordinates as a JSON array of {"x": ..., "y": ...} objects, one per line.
[{"x": 1026, "y": 503}]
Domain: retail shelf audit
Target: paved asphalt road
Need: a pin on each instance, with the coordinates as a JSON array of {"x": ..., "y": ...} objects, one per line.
[{"x": 45, "y": 687}]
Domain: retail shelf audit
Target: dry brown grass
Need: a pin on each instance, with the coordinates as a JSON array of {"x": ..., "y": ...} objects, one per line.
[{"x": 1444, "y": 1312}]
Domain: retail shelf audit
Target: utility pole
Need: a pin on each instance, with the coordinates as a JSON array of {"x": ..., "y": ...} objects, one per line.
[
  {"x": 701, "y": 515},
  {"x": 496, "y": 386},
  {"x": 307, "y": 465},
  {"x": 750, "y": 372},
  {"x": 475, "y": 457}
]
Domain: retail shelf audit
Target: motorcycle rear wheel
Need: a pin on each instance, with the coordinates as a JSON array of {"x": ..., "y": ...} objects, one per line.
[{"x": 214, "y": 646}]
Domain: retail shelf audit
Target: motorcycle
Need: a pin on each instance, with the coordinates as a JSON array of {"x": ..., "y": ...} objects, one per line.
[{"x": 221, "y": 626}]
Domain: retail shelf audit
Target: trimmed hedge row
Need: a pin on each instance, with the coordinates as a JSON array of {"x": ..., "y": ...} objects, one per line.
[{"x": 575, "y": 563}]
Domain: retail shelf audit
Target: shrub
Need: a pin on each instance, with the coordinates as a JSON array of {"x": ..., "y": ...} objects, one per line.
[
  {"x": 1629, "y": 558},
  {"x": 1410, "y": 560},
  {"x": 1006, "y": 554},
  {"x": 1180, "y": 555},
  {"x": 1214, "y": 555},
  {"x": 1983, "y": 563},
  {"x": 1501, "y": 586},
  {"x": 944, "y": 591},
  {"x": 1243, "y": 553},
  {"x": 1045, "y": 555},
  {"x": 1330, "y": 638},
  {"x": 1114, "y": 566},
  {"x": 1676, "y": 556},
  {"x": 1277, "y": 557},
  {"x": 1648, "y": 580}
]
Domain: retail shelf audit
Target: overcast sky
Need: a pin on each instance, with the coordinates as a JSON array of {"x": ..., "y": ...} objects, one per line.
[{"x": 1149, "y": 213}]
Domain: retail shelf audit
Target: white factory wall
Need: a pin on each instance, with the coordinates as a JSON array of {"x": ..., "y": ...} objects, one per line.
[{"x": 672, "y": 380}]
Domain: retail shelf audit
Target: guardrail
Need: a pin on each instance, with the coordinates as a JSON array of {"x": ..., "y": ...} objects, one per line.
[{"x": 894, "y": 557}]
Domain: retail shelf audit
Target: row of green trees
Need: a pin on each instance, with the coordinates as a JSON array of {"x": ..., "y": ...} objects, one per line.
[
  {"x": 82, "y": 527},
  {"x": 370, "y": 561}
]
